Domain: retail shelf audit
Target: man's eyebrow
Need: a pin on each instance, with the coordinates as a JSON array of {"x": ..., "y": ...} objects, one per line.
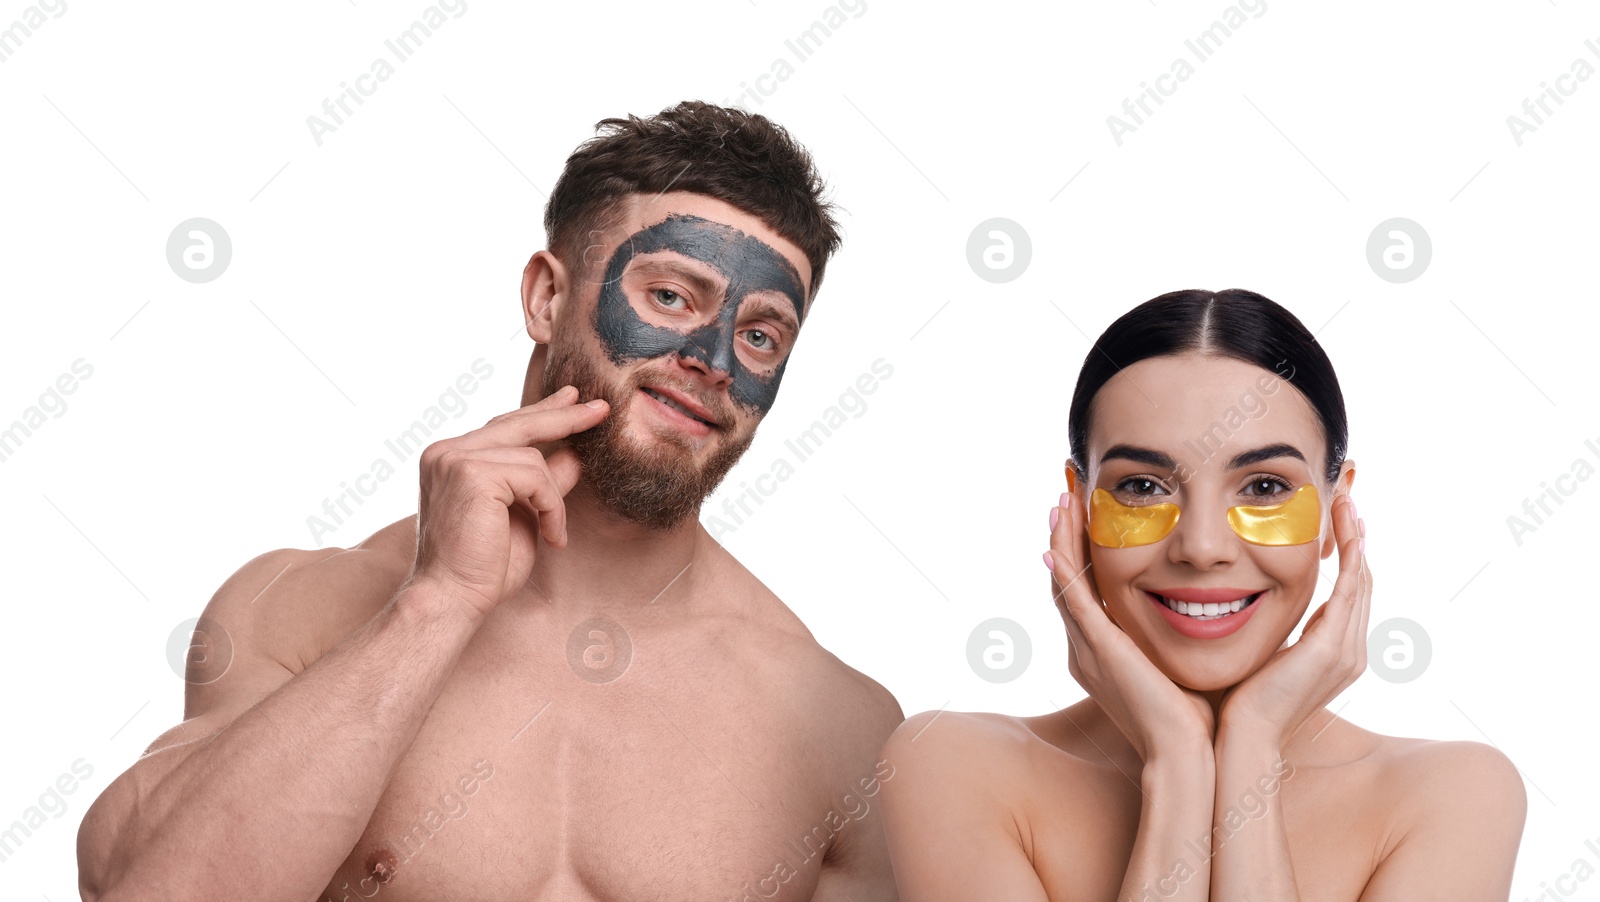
[
  {"x": 1267, "y": 452},
  {"x": 783, "y": 313},
  {"x": 706, "y": 285}
]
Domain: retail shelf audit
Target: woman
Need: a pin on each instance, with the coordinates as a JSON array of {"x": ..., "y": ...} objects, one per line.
[{"x": 1207, "y": 479}]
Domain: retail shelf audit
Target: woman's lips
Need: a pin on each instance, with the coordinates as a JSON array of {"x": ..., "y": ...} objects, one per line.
[{"x": 1207, "y": 629}]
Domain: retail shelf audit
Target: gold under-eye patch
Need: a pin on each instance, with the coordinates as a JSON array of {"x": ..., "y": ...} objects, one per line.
[
  {"x": 1294, "y": 522},
  {"x": 1113, "y": 524}
]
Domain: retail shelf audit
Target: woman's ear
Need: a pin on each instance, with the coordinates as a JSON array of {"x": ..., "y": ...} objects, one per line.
[
  {"x": 545, "y": 286},
  {"x": 1341, "y": 486}
]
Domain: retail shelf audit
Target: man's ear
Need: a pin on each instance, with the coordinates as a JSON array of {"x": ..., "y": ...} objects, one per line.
[
  {"x": 546, "y": 284},
  {"x": 1341, "y": 486}
]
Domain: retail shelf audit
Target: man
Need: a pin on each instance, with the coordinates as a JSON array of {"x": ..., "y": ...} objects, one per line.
[{"x": 551, "y": 683}]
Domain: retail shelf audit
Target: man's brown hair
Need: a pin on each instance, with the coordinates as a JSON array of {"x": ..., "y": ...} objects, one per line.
[{"x": 741, "y": 158}]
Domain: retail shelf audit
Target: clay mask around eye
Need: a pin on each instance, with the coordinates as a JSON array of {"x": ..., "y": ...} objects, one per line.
[
  {"x": 1294, "y": 522},
  {"x": 1113, "y": 524},
  {"x": 748, "y": 264}
]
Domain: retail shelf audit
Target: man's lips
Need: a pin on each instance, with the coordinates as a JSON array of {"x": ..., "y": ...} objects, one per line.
[{"x": 680, "y": 402}]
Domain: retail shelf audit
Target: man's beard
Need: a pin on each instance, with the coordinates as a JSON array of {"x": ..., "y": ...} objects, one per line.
[{"x": 657, "y": 487}]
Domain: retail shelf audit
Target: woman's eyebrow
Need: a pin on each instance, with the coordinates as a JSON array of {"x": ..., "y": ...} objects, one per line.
[
  {"x": 1267, "y": 452},
  {"x": 1243, "y": 459},
  {"x": 1139, "y": 455}
]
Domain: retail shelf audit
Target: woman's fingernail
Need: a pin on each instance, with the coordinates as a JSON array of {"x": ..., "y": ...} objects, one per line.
[
  {"x": 1055, "y": 517},
  {"x": 1361, "y": 527},
  {"x": 1049, "y": 562},
  {"x": 1066, "y": 499},
  {"x": 1361, "y": 545}
]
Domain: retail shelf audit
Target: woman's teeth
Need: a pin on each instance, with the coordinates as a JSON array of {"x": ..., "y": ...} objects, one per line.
[{"x": 1209, "y": 610}]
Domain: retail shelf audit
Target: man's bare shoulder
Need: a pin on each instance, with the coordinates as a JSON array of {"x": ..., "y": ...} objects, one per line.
[
  {"x": 296, "y": 603},
  {"x": 845, "y": 702}
]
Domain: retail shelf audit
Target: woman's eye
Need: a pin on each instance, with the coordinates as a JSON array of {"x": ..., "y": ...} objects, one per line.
[
  {"x": 1139, "y": 487},
  {"x": 668, "y": 298},
  {"x": 1268, "y": 485}
]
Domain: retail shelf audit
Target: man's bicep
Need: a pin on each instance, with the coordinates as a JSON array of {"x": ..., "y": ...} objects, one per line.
[{"x": 947, "y": 834}]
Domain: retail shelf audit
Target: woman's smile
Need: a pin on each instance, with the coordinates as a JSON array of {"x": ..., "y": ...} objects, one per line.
[{"x": 1205, "y": 613}]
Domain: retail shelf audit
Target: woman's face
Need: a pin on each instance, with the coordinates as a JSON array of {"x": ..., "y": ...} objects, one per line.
[{"x": 1207, "y": 434}]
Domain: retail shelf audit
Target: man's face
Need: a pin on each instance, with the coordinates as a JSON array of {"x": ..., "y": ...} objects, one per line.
[{"x": 683, "y": 322}]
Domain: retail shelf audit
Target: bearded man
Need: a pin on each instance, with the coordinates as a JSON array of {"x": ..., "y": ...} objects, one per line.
[{"x": 549, "y": 683}]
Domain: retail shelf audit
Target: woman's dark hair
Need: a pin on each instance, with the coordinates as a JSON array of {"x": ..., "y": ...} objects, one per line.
[{"x": 1233, "y": 323}]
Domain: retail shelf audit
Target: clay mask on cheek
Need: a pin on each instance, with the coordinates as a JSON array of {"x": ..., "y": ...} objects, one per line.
[
  {"x": 748, "y": 264},
  {"x": 1294, "y": 522},
  {"x": 1113, "y": 524}
]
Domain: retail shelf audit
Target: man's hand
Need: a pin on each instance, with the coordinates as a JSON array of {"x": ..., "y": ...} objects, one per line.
[{"x": 489, "y": 494}]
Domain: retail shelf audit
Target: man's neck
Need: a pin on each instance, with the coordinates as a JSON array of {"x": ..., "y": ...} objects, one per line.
[{"x": 611, "y": 562}]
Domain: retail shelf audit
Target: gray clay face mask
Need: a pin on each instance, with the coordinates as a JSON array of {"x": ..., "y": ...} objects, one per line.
[{"x": 749, "y": 265}]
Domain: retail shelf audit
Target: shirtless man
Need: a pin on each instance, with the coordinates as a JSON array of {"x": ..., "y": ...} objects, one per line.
[{"x": 551, "y": 683}]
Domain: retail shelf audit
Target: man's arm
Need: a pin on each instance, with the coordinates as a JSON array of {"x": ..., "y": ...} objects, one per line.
[
  {"x": 856, "y": 865},
  {"x": 271, "y": 779}
]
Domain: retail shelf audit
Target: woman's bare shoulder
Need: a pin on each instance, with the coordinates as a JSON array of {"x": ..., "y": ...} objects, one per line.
[{"x": 1432, "y": 786}]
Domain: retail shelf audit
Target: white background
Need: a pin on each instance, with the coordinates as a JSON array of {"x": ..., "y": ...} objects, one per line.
[{"x": 372, "y": 270}]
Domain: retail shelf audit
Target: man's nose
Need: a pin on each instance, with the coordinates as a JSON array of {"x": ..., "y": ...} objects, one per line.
[{"x": 711, "y": 345}]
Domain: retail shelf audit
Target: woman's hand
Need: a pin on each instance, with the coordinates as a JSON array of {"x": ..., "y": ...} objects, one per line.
[
  {"x": 1154, "y": 713},
  {"x": 1301, "y": 679}
]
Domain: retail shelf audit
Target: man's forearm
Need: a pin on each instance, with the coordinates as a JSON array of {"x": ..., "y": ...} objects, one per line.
[{"x": 272, "y": 804}]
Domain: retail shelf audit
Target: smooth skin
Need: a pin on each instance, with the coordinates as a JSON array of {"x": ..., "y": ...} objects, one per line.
[
  {"x": 1200, "y": 769},
  {"x": 370, "y": 687}
]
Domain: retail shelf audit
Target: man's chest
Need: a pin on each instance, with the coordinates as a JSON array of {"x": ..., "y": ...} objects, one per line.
[{"x": 676, "y": 777}]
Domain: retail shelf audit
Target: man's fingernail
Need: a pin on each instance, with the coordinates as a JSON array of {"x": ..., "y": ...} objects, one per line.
[{"x": 596, "y": 404}]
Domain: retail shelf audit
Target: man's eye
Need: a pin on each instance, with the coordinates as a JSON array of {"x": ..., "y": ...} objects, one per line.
[
  {"x": 761, "y": 341},
  {"x": 668, "y": 298}
]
